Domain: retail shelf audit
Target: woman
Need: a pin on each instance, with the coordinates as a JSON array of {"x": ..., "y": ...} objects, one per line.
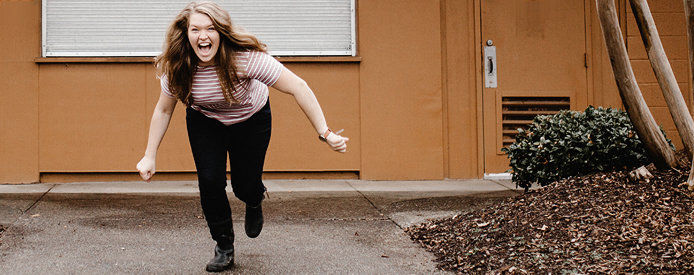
[{"x": 222, "y": 75}]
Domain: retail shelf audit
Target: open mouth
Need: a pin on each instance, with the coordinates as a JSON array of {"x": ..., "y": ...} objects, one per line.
[{"x": 205, "y": 47}]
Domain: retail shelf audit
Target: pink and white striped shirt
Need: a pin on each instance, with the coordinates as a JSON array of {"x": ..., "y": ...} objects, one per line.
[{"x": 256, "y": 70}]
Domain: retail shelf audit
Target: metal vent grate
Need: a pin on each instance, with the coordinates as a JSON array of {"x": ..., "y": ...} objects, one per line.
[{"x": 518, "y": 112}]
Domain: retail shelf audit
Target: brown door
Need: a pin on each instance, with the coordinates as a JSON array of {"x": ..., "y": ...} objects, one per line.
[{"x": 537, "y": 56}]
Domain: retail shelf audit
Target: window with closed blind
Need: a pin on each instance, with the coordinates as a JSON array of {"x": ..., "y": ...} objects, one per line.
[{"x": 137, "y": 27}]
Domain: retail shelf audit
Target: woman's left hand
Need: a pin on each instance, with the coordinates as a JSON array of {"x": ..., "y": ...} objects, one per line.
[{"x": 337, "y": 142}]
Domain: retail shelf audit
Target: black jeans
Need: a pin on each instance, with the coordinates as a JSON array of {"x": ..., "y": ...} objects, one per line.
[{"x": 246, "y": 143}]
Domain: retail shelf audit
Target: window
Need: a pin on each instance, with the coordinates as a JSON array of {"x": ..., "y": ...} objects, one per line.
[{"x": 137, "y": 27}]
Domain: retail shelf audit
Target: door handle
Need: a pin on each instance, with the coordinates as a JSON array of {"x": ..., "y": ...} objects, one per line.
[{"x": 490, "y": 66}]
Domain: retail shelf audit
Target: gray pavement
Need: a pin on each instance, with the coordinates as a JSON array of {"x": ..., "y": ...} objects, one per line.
[{"x": 312, "y": 226}]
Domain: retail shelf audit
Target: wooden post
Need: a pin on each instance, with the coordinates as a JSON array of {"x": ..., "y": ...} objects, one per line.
[
  {"x": 649, "y": 132},
  {"x": 688, "y": 7},
  {"x": 663, "y": 72}
]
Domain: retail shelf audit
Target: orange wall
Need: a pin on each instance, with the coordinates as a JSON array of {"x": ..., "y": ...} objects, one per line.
[
  {"x": 95, "y": 118},
  {"x": 460, "y": 92},
  {"x": 294, "y": 144},
  {"x": 602, "y": 86},
  {"x": 410, "y": 107},
  {"x": 91, "y": 116},
  {"x": 20, "y": 35},
  {"x": 670, "y": 22},
  {"x": 401, "y": 94}
]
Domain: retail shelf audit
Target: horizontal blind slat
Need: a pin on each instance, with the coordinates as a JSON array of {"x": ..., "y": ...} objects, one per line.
[{"x": 136, "y": 27}]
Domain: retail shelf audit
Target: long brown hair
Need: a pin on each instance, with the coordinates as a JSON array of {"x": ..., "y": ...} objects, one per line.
[{"x": 178, "y": 60}]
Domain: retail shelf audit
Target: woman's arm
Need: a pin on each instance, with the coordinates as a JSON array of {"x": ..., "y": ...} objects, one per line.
[
  {"x": 157, "y": 128},
  {"x": 290, "y": 83}
]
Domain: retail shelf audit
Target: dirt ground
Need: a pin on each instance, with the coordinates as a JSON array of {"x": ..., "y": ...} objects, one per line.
[{"x": 602, "y": 223}]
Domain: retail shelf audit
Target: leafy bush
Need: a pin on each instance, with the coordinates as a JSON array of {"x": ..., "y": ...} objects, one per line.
[{"x": 572, "y": 143}]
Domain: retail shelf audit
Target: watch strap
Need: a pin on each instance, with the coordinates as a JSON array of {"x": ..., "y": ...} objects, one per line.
[{"x": 323, "y": 137}]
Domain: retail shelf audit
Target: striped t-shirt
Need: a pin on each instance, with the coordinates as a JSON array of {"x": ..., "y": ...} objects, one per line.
[{"x": 256, "y": 70}]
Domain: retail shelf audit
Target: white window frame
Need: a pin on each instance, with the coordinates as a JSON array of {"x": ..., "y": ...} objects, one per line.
[{"x": 44, "y": 53}]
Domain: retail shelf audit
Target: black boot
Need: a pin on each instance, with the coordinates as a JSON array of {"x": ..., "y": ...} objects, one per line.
[
  {"x": 254, "y": 220},
  {"x": 223, "y": 255}
]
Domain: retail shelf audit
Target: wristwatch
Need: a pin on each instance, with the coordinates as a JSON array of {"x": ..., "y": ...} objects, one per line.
[{"x": 325, "y": 135}]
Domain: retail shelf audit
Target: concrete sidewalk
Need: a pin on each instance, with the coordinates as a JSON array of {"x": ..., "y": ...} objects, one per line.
[{"x": 312, "y": 226}]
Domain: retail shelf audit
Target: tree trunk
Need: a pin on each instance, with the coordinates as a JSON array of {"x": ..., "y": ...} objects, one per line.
[
  {"x": 688, "y": 7},
  {"x": 649, "y": 132},
  {"x": 663, "y": 72}
]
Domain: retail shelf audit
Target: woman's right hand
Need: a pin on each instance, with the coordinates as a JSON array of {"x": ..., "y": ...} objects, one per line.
[{"x": 146, "y": 168}]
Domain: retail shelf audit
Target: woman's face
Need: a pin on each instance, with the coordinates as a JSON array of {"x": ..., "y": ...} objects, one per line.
[{"x": 203, "y": 37}]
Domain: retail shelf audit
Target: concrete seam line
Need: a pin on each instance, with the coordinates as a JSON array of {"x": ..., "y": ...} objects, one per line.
[
  {"x": 514, "y": 190},
  {"x": 374, "y": 206},
  {"x": 38, "y": 200},
  {"x": 29, "y": 208}
]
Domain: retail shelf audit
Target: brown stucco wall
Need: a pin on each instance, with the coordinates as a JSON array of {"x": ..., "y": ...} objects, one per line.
[
  {"x": 602, "y": 86},
  {"x": 411, "y": 107},
  {"x": 97, "y": 115},
  {"x": 669, "y": 19},
  {"x": 401, "y": 95},
  {"x": 670, "y": 22},
  {"x": 93, "y": 117},
  {"x": 460, "y": 90},
  {"x": 20, "y": 42}
]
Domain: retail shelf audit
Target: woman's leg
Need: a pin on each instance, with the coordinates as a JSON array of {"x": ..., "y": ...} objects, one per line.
[
  {"x": 207, "y": 142},
  {"x": 249, "y": 142},
  {"x": 206, "y": 136}
]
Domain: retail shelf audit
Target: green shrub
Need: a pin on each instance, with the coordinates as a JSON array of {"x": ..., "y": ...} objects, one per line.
[{"x": 572, "y": 143}]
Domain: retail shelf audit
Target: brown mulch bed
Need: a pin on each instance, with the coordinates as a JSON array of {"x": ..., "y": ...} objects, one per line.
[{"x": 602, "y": 223}]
